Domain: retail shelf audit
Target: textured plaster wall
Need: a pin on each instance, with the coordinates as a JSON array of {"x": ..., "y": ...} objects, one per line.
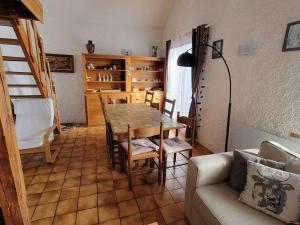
[{"x": 266, "y": 92}]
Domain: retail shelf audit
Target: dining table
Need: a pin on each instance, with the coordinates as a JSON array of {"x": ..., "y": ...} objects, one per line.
[{"x": 137, "y": 116}]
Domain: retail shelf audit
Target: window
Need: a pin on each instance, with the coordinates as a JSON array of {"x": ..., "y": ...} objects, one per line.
[{"x": 179, "y": 85}]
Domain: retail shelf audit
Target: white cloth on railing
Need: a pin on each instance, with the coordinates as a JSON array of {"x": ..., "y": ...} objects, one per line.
[{"x": 33, "y": 118}]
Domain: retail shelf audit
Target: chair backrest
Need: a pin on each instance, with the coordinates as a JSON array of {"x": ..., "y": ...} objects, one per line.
[
  {"x": 149, "y": 97},
  {"x": 171, "y": 103},
  {"x": 190, "y": 127},
  {"x": 118, "y": 100},
  {"x": 33, "y": 117},
  {"x": 143, "y": 133}
]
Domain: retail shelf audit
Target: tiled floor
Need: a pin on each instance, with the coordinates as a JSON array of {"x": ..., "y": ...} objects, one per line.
[{"x": 81, "y": 188}]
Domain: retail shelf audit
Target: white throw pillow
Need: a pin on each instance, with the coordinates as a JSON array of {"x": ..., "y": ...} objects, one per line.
[{"x": 274, "y": 192}]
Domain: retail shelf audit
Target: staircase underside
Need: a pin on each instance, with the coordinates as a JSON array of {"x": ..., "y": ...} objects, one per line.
[{"x": 29, "y": 9}]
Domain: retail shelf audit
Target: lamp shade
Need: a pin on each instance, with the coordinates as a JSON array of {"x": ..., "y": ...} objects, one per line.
[{"x": 186, "y": 60}]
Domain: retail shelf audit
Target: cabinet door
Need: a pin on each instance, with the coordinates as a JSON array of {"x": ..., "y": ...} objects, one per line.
[
  {"x": 94, "y": 110},
  {"x": 138, "y": 97}
]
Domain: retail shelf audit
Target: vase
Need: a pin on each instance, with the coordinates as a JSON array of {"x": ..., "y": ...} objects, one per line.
[{"x": 90, "y": 47}]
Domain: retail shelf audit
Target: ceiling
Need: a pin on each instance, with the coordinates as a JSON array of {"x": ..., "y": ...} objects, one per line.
[{"x": 130, "y": 13}]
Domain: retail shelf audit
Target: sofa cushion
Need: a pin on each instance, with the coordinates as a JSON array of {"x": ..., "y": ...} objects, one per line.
[
  {"x": 274, "y": 151},
  {"x": 218, "y": 204},
  {"x": 274, "y": 192},
  {"x": 237, "y": 179}
]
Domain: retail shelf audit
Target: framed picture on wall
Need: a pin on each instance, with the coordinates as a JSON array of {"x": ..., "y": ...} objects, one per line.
[
  {"x": 219, "y": 46},
  {"x": 292, "y": 37},
  {"x": 61, "y": 63}
]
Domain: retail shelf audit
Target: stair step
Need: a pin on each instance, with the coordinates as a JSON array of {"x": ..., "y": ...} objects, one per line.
[
  {"x": 18, "y": 73},
  {"x": 9, "y": 41},
  {"x": 14, "y": 58},
  {"x": 5, "y": 23},
  {"x": 25, "y": 96},
  {"x": 22, "y": 86}
]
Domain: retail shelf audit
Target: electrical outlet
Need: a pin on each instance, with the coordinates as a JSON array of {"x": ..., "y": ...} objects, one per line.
[{"x": 295, "y": 135}]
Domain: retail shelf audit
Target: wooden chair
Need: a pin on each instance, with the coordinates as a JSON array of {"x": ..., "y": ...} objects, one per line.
[
  {"x": 149, "y": 97},
  {"x": 139, "y": 147},
  {"x": 178, "y": 145},
  {"x": 111, "y": 141},
  {"x": 35, "y": 125},
  {"x": 118, "y": 100},
  {"x": 155, "y": 105},
  {"x": 165, "y": 110}
]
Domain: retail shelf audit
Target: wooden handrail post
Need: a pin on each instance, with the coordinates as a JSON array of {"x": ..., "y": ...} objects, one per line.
[{"x": 13, "y": 200}]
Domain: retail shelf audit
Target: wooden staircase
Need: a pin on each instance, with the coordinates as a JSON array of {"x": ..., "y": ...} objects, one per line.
[
  {"x": 28, "y": 39},
  {"x": 20, "y": 16}
]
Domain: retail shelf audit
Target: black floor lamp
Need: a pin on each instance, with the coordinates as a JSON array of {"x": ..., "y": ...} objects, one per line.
[{"x": 188, "y": 60}]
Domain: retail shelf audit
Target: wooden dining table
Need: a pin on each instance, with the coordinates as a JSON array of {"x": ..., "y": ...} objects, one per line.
[{"x": 138, "y": 116}]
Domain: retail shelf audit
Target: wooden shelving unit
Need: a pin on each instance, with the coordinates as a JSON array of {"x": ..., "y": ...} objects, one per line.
[{"x": 120, "y": 76}]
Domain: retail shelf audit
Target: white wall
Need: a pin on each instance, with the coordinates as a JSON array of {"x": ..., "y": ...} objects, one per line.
[
  {"x": 63, "y": 36},
  {"x": 265, "y": 84}
]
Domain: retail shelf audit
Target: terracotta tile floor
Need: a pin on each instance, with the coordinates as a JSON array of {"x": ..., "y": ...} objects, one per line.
[{"x": 81, "y": 188}]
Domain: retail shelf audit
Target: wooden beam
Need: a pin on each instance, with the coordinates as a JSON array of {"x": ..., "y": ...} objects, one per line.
[
  {"x": 9, "y": 41},
  {"x": 25, "y": 96},
  {"x": 13, "y": 200},
  {"x": 35, "y": 7},
  {"x": 18, "y": 73},
  {"x": 22, "y": 86},
  {"x": 14, "y": 58},
  {"x": 25, "y": 9},
  {"x": 4, "y": 22}
]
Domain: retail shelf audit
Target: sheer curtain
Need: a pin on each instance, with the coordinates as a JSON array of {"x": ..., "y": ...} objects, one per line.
[{"x": 179, "y": 85}]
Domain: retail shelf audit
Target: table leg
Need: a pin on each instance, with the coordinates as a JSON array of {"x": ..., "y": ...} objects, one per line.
[{"x": 122, "y": 156}]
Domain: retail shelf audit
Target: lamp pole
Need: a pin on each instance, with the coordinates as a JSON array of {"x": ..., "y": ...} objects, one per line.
[{"x": 229, "y": 78}]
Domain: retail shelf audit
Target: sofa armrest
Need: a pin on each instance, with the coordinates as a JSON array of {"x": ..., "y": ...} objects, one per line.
[{"x": 205, "y": 170}]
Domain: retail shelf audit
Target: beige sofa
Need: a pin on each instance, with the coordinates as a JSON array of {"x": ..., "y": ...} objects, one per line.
[{"x": 209, "y": 200}]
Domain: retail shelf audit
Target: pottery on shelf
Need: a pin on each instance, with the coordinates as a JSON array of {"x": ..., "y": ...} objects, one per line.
[
  {"x": 154, "y": 51},
  {"x": 90, "y": 47}
]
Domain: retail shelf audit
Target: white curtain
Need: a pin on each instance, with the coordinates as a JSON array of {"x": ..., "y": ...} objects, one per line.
[{"x": 179, "y": 85}]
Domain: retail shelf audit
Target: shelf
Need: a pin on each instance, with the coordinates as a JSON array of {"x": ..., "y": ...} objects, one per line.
[
  {"x": 147, "y": 82},
  {"x": 103, "y": 70},
  {"x": 147, "y": 71},
  {"x": 107, "y": 82}
]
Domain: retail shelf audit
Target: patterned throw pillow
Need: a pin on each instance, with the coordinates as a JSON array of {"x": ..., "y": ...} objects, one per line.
[
  {"x": 274, "y": 192},
  {"x": 238, "y": 174}
]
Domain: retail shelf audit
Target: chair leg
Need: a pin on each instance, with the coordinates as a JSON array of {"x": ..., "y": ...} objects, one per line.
[
  {"x": 129, "y": 175},
  {"x": 190, "y": 153},
  {"x": 121, "y": 162},
  {"x": 165, "y": 163},
  {"x": 48, "y": 154},
  {"x": 124, "y": 162},
  {"x": 112, "y": 150},
  {"x": 51, "y": 157},
  {"x": 151, "y": 163},
  {"x": 108, "y": 142},
  {"x": 174, "y": 159},
  {"x": 160, "y": 165}
]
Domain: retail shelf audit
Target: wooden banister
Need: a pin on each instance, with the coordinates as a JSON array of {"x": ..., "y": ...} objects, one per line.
[{"x": 27, "y": 50}]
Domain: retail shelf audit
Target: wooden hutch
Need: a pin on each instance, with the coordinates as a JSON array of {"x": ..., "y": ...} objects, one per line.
[{"x": 120, "y": 76}]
